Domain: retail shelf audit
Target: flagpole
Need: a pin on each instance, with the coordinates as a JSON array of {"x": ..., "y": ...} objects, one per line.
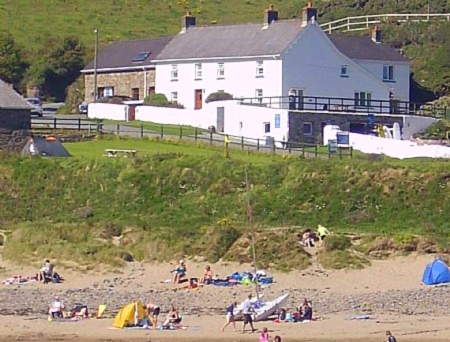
[{"x": 251, "y": 229}]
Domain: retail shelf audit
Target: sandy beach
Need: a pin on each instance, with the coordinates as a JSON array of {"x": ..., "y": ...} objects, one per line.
[{"x": 389, "y": 291}]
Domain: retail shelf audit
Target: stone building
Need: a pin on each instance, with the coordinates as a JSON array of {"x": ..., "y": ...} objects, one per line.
[
  {"x": 15, "y": 119},
  {"x": 124, "y": 69}
]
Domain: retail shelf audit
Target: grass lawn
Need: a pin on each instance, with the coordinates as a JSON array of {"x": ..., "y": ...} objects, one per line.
[{"x": 96, "y": 149}]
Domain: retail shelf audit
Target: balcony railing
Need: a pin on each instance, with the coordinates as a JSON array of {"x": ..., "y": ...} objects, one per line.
[{"x": 348, "y": 105}]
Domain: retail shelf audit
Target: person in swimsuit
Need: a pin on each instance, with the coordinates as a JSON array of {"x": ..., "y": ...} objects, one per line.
[{"x": 152, "y": 311}]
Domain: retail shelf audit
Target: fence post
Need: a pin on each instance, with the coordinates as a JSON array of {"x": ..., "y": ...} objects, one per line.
[
  {"x": 289, "y": 148},
  {"x": 196, "y": 133},
  {"x": 142, "y": 131},
  {"x": 274, "y": 148},
  {"x": 351, "y": 152},
  {"x": 340, "y": 152},
  {"x": 257, "y": 145},
  {"x": 79, "y": 124},
  {"x": 210, "y": 137},
  {"x": 303, "y": 150},
  {"x": 54, "y": 123},
  {"x": 242, "y": 143},
  {"x": 162, "y": 131},
  {"x": 118, "y": 129},
  {"x": 181, "y": 131},
  {"x": 316, "y": 150}
]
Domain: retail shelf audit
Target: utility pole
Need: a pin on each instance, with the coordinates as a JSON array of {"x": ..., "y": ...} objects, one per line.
[
  {"x": 95, "y": 65},
  {"x": 252, "y": 230}
]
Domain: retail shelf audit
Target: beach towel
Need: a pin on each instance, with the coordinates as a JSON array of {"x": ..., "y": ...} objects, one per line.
[{"x": 19, "y": 280}]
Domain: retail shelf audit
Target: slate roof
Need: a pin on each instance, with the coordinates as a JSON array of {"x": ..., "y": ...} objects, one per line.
[
  {"x": 232, "y": 40},
  {"x": 364, "y": 48},
  {"x": 10, "y": 99},
  {"x": 121, "y": 54}
]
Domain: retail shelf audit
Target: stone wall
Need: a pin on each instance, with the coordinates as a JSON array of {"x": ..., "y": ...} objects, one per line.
[
  {"x": 319, "y": 119},
  {"x": 15, "y": 128},
  {"x": 122, "y": 82}
]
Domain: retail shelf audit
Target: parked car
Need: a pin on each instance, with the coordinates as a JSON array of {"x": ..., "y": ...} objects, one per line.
[
  {"x": 83, "y": 108},
  {"x": 37, "y": 106}
]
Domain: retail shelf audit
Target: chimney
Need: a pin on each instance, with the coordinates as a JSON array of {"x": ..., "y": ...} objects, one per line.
[
  {"x": 270, "y": 15},
  {"x": 188, "y": 21},
  {"x": 376, "y": 35},
  {"x": 309, "y": 13}
]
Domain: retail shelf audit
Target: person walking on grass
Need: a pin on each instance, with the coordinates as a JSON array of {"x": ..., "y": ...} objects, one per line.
[
  {"x": 230, "y": 317},
  {"x": 390, "y": 337},
  {"x": 248, "y": 310}
]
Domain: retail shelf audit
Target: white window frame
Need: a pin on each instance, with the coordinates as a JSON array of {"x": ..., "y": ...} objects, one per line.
[
  {"x": 259, "y": 68},
  {"x": 259, "y": 94},
  {"x": 362, "y": 101},
  {"x": 311, "y": 128},
  {"x": 388, "y": 72},
  {"x": 344, "y": 70},
  {"x": 198, "y": 71},
  {"x": 174, "y": 73},
  {"x": 174, "y": 96},
  {"x": 220, "y": 71}
]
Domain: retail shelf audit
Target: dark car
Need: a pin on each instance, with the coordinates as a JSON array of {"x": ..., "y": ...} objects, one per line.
[
  {"x": 37, "y": 104},
  {"x": 83, "y": 108}
]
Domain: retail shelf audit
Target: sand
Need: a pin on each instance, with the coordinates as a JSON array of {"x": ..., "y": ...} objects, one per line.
[{"x": 382, "y": 278}]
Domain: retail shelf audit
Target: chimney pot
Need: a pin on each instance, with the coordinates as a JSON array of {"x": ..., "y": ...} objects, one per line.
[
  {"x": 270, "y": 15},
  {"x": 309, "y": 14},
  {"x": 376, "y": 34},
  {"x": 187, "y": 21}
]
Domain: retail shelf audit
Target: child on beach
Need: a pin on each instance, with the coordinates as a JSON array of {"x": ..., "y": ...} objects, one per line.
[
  {"x": 264, "y": 336},
  {"x": 277, "y": 339},
  {"x": 230, "y": 317},
  {"x": 390, "y": 337}
]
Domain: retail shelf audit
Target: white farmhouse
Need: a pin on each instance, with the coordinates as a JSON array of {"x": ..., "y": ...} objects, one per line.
[{"x": 278, "y": 58}]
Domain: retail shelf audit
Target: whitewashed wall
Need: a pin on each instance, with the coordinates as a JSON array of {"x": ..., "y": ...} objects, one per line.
[
  {"x": 108, "y": 111},
  {"x": 175, "y": 116},
  {"x": 240, "y": 79},
  {"x": 415, "y": 124},
  {"x": 400, "y": 85},
  {"x": 313, "y": 64}
]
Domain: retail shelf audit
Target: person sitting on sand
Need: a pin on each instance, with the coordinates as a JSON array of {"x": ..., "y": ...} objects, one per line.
[
  {"x": 306, "y": 311},
  {"x": 282, "y": 316},
  {"x": 207, "y": 276},
  {"x": 230, "y": 317},
  {"x": 56, "y": 308},
  {"x": 46, "y": 271},
  {"x": 179, "y": 272},
  {"x": 307, "y": 238},
  {"x": 152, "y": 311},
  {"x": 264, "y": 336},
  {"x": 172, "y": 317},
  {"x": 390, "y": 337}
]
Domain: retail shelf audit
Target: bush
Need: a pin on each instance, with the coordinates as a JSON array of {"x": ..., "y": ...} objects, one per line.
[
  {"x": 337, "y": 243},
  {"x": 157, "y": 100},
  {"x": 218, "y": 96}
]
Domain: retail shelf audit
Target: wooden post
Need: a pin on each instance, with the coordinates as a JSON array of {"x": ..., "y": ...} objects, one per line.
[
  {"x": 303, "y": 150},
  {"x": 257, "y": 145},
  {"x": 162, "y": 132},
  {"x": 242, "y": 143},
  {"x": 210, "y": 137},
  {"x": 340, "y": 152},
  {"x": 54, "y": 123},
  {"x": 316, "y": 150},
  {"x": 181, "y": 131},
  {"x": 142, "y": 131},
  {"x": 118, "y": 129},
  {"x": 196, "y": 133},
  {"x": 79, "y": 124}
]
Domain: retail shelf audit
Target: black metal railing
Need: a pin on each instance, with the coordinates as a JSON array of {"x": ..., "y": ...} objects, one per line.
[{"x": 348, "y": 105}]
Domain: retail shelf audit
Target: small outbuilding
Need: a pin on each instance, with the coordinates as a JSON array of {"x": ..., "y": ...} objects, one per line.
[{"x": 15, "y": 119}]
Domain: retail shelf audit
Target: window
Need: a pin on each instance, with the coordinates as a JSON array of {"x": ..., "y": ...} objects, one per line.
[
  {"x": 277, "y": 120},
  {"x": 220, "y": 70},
  {"x": 388, "y": 72},
  {"x": 100, "y": 92},
  {"x": 141, "y": 56},
  {"x": 198, "y": 71},
  {"x": 259, "y": 95},
  {"x": 174, "y": 73},
  {"x": 362, "y": 99},
  {"x": 266, "y": 127},
  {"x": 344, "y": 70},
  {"x": 174, "y": 96},
  {"x": 307, "y": 128},
  {"x": 135, "y": 93},
  {"x": 259, "y": 69},
  {"x": 151, "y": 90},
  {"x": 108, "y": 91}
]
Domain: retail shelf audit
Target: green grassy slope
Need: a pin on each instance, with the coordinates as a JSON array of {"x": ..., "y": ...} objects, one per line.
[{"x": 168, "y": 204}]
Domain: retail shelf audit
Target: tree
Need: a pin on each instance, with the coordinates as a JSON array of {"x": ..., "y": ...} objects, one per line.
[{"x": 12, "y": 66}]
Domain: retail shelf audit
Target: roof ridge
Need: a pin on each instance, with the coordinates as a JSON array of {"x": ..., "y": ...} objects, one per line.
[{"x": 245, "y": 24}]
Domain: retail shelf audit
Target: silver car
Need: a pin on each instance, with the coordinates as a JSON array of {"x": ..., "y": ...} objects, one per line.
[{"x": 37, "y": 106}]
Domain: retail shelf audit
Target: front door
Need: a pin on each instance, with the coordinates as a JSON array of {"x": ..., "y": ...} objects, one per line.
[
  {"x": 198, "y": 99},
  {"x": 220, "y": 119}
]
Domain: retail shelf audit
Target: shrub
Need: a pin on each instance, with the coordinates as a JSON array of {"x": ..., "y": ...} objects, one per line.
[
  {"x": 218, "y": 96},
  {"x": 157, "y": 100},
  {"x": 337, "y": 243}
]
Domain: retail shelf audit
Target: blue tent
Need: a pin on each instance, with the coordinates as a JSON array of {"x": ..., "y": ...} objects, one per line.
[{"x": 436, "y": 272}]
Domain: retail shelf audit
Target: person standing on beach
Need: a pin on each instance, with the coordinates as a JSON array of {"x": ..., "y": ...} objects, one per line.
[
  {"x": 230, "y": 317},
  {"x": 390, "y": 337},
  {"x": 247, "y": 310},
  {"x": 153, "y": 312}
]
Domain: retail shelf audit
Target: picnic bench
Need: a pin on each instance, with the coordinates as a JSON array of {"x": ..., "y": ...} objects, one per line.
[{"x": 115, "y": 153}]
